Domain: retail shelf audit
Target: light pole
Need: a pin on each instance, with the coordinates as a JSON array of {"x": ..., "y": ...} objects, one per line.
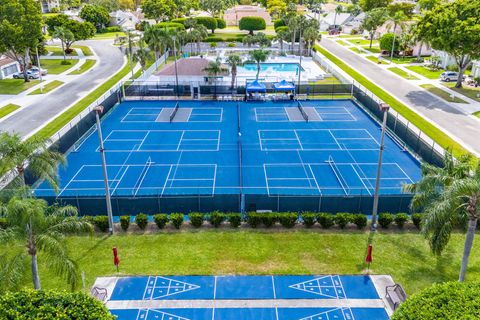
[
  {"x": 175, "y": 59},
  {"x": 300, "y": 63},
  {"x": 130, "y": 52},
  {"x": 39, "y": 69},
  {"x": 98, "y": 110},
  {"x": 384, "y": 108}
]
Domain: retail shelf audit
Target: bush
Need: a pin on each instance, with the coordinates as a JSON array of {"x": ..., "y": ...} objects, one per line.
[
  {"x": 33, "y": 304},
  {"x": 196, "y": 219},
  {"x": 65, "y": 63},
  {"x": 179, "y": 20},
  {"x": 232, "y": 45},
  {"x": 360, "y": 220},
  {"x": 342, "y": 219},
  {"x": 254, "y": 219},
  {"x": 216, "y": 218},
  {"x": 141, "y": 220},
  {"x": 110, "y": 29},
  {"x": 88, "y": 219},
  {"x": 213, "y": 44},
  {"x": 326, "y": 220},
  {"x": 171, "y": 25},
  {"x": 400, "y": 219},
  {"x": 221, "y": 24},
  {"x": 448, "y": 300},
  {"x": 177, "y": 219},
  {"x": 385, "y": 219},
  {"x": 278, "y": 23},
  {"x": 268, "y": 219},
  {"x": 386, "y": 42},
  {"x": 309, "y": 219},
  {"x": 161, "y": 220},
  {"x": 235, "y": 219},
  {"x": 3, "y": 223},
  {"x": 101, "y": 222},
  {"x": 417, "y": 220},
  {"x": 252, "y": 24},
  {"x": 288, "y": 219},
  {"x": 125, "y": 222},
  {"x": 209, "y": 23}
]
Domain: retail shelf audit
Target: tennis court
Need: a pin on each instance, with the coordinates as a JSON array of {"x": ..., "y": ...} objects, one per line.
[
  {"x": 219, "y": 152},
  {"x": 324, "y": 297}
]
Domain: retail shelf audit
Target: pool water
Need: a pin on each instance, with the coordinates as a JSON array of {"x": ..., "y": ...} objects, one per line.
[{"x": 276, "y": 67}]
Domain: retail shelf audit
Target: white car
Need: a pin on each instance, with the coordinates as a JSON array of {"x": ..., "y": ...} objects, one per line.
[
  {"x": 448, "y": 76},
  {"x": 44, "y": 72}
]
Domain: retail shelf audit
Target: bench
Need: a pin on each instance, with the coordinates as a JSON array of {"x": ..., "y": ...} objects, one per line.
[{"x": 395, "y": 295}]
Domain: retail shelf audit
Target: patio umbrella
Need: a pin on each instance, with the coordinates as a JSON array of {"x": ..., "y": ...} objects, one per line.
[{"x": 116, "y": 259}]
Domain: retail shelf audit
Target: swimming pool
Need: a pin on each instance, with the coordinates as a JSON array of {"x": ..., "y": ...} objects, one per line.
[{"x": 276, "y": 67}]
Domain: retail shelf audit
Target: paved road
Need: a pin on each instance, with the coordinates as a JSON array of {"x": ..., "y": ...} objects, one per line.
[
  {"x": 44, "y": 109},
  {"x": 451, "y": 120}
]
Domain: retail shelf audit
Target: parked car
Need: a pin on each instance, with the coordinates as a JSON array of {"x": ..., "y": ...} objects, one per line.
[
  {"x": 30, "y": 74},
  {"x": 36, "y": 69},
  {"x": 448, "y": 76}
]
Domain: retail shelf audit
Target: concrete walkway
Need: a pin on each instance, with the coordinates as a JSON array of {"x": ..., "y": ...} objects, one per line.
[
  {"x": 38, "y": 110},
  {"x": 457, "y": 124}
]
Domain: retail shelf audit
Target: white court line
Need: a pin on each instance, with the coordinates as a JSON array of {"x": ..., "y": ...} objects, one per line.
[
  {"x": 72, "y": 179},
  {"x": 85, "y": 139},
  {"x": 218, "y": 139},
  {"x": 273, "y": 287},
  {"x": 214, "y": 180},
  {"x": 143, "y": 140},
  {"x": 314, "y": 179},
  {"x": 361, "y": 179},
  {"x": 180, "y": 141},
  {"x": 166, "y": 179},
  {"x": 298, "y": 138},
  {"x": 146, "y": 287},
  {"x": 121, "y": 178},
  {"x": 406, "y": 175},
  {"x": 266, "y": 179},
  {"x": 335, "y": 139}
]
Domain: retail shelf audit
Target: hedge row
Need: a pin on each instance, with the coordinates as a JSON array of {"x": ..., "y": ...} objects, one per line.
[{"x": 255, "y": 219}]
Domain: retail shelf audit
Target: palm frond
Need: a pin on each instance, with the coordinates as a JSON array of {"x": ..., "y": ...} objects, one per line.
[{"x": 11, "y": 271}]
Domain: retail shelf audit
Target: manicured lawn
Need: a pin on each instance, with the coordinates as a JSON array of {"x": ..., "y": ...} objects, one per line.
[
  {"x": 355, "y": 49},
  {"x": 372, "y": 49},
  {"x": 227, "y": 36},
  {"x": 428, "y": 128},
  {"x": 343, "y": 43},
  {"x": 89, "y": 63},
  {"x": 427, "y": 73},
  {"x": 441, "y": 93},
  {"x": 57, "y": 123},
  {"x": 404, "y": 255},
  {"x": 16, "y": 86},
  {"x": 328, "y": 80},
  {"x": 109, "y": 35},
  {"x": 403, "y": 73},
  {"x": 86, "y": 50},
  {"x": 375, "y": 59},
  {"x": 471, "y": 92},
  {"x": 48, "y": 87},
  {"x": 402, "y": 60},
  {"x": 363, "y": 42},
  {"x": 55, "y": 66},
  {"x": 57, "y": 51},
  {"x": 477, "y": 114},
  {"x": 6, "y": 110}
]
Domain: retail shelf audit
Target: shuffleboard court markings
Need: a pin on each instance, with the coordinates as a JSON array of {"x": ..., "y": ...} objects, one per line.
[
  {"x": 161, "y": 287},
  {"x": 327, "y": 286},
  {"x": 152, "y": 314},
  {"x": 338, "y": 313}
]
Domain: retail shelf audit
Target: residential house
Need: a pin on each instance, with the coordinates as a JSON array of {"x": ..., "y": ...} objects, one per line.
[
  {"x": 354, "y": 25},
  {"x": 476, "y": 69},
  {"x": 188, "y": 70},
  {"x": 8, "y": 67},
  {"x": 124, "y": 19},
  {"x": 233, "y": 15},
  {"x": 334, "y": 20},
  {"x": 49, "y": 5}
]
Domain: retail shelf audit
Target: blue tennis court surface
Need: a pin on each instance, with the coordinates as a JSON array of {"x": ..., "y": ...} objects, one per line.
[
  {"x": 277, "y": 297},
  {"x": 219, "y": 149}
]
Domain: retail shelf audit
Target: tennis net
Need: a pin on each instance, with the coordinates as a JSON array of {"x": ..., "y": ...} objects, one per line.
[
  {"x": 172, "y": 116},
  {"x": 302, "y": 111}
]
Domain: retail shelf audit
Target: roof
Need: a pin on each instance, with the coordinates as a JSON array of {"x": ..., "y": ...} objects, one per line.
[
  {"x": 186, "y": 67},
  {"x": 340, "y": 18},
  {"x": 5, "y": 61}
]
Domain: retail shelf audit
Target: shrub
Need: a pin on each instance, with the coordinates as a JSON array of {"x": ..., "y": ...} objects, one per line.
[
  {"x": 125, "y": 222},
  {"x": 209, "y": 23},
  {"x": 417, "y": 220},
  {"x": 141, "y": 220},
  {"x": 326, "y": 220},
  {"x": 65, "y": 63},
  {"x": 309, "y": 219},
  {"x": 268, "y": 219},
  {"x": 400, "y": 219},
  {"x": 252, "y": 24},
  {"x": 88, "y": 219},
  {"x": 160, "y": 220},
  {"x": 386, "y": 42},
  {"x": 360, "y": 220},
  {"x": 448, "y": 300},
  {"x": 3, "y": 223},
  {"x": 177, "y": 219},
  {"x": 288, "y": 219},
  {"x": 196, "y": 219},
  {"x": 33, "y": 304},
  {"x": 254, "y": 219},
  {"x": 221, "y": 24},
  {"x": 179, "y": 20},
  {"x": 216, "y": 218},
  {"x": 235, "y": 219},
  {"x": 232, "y": 45},
  {"x": 342, "y": 219},
  {"x": 278, "y": 23},
  {"x": 213, "y": 44},
  {"x": 385, "y": 219},
  {"x": 101, "y": 222},
  {"x": 171, "y": 25}
]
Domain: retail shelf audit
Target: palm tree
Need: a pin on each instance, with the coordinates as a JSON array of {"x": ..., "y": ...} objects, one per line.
[
  {"x": 34, "y": 152},
  {"x": 293, "y": 25},
  {"x": 281, "y": 36},
  {"x": 142, "y": 55},
  {"x": 65, "y": 35},
  {"x": 338, "y": 10},
  {"x": 259, "y": 56},
  {"x": 214, "y": 68},
  {"x": 155, "y": 37},
  {"x": 311, "y": 34},
  {"x": 234, "y": 60},
  {"x": 198, "y": 33},
  {"x": 38, "y": 228},
  {"x": 397, "y": 20}
]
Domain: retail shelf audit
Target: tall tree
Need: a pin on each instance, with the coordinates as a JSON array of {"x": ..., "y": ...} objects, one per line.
[
  {"x": 159, "y": 10},
  {"x": 109, "y": 5},
  {"x": 20, "y": 30},
  {"x": 80, "y": 30},
  {"x": 338, "y": 10},
  {"x": 368, "y": 5},
  {"x": 157, "y": 39},
  {"x": 214, "y": 68},
  {"x": 198, "y": 34},
  {"x": 374, "y": 19},
  {"x": 315, "y": 6},
  {"x": 293, "y": 24},
  {"x": 216, "y": 7},
  {"x": 17, "y": 154},
  {"x": 311, "y": 33},
  {"x": 282, "y": 35},
  {"x": 397, "y": 20},
  {"x": 96, "y": 15},
  {"x": 454, "y": 28},
  {"x": 64, "y": 35},
  {"x": 234, "y": 61},
  {"x": 259, "y": 56},
  {"x": 42, "y": 229},
  {"x": 142, "y": 54}
]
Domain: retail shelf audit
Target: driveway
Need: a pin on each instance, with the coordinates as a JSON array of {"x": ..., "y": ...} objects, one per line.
[
  {"x": 45, "y": 108},
  {"x": 454, "y": 122}
]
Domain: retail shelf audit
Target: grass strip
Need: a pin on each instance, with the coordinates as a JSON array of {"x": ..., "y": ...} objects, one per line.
[
  {"x": 477, "y": 114},
  {"x": 375, "y": 59},
  {"x": 57, "y": 66},
  {"x": 441, "y": 93},
  {"x": 60, "y": 121},
  {"x": 47, "y": 88},
  {"x": 427, "y": 73},
  {"x": 86, "y": 50},
  {"x": 16, "y": 86},
  {"x": 402, "y": 73},
  {"x": 355, "y": 49},
  {"x": 471, "y": 92},
  {"x": 109, "y": 35},
  {"x": 429, "y": 129},
  {"x": 57, "y": 51},
  {"x": 89, "y": 63},
  {"x": 9, "y": 108}
]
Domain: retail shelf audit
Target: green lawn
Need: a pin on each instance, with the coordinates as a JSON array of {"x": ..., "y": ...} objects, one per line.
[
  {"x": 89, "y": 63},
  {"x": 404, "y": 255},
  {"x": 86, "y": 50},
  {"x": 55, "y": 66},
  {"x": 471, "y": 92},
  {"x": 227, "y": 36},
  {"x": 372, "y": 49},
  {"x": 57, "y": 123},
  {"x": 428, "y": 128},
  {"x": 375, "y": 59},
  {"x": 477, "y": 114},
  {"x": 16, "y": 86},
  {"x": 9, "y": 108},
  {"x": 363, "y": 42},
  {"x": 403, "y": 73},
  {"x": 108, "y": 35},
  {"x": 441, "y": 93},
  {"x": 48, "y": 87},
  {"x": 343, "y": 43},
  {"x": 427, "y": 73},
  {"x": 57, "y": 51},
  {"x": 355, "y": 49},
  {"x": 402, "y": 60}
]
